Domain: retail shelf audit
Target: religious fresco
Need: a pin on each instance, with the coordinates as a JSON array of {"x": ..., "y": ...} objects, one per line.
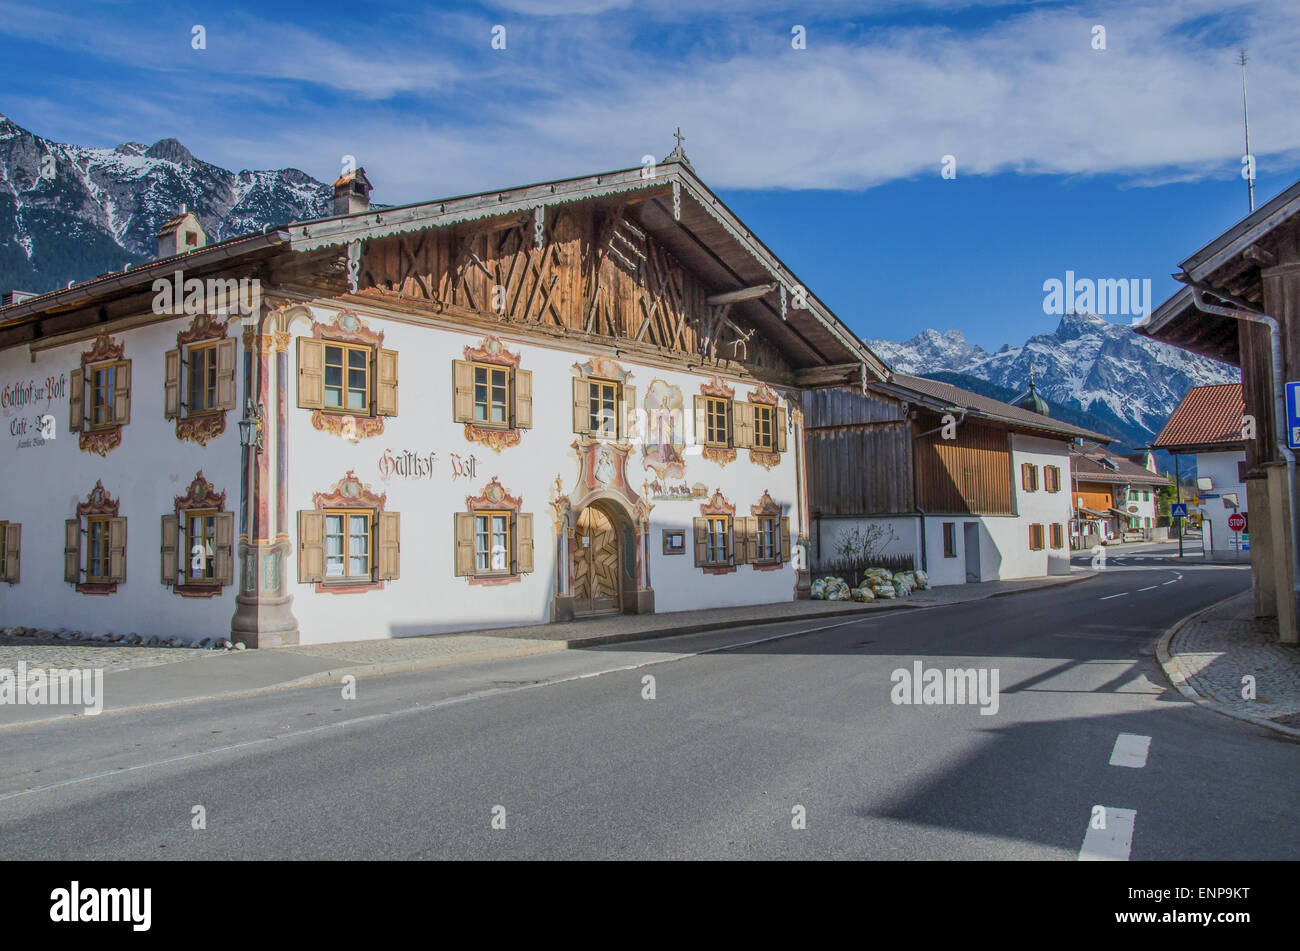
[{"x": 665, "y": 436}]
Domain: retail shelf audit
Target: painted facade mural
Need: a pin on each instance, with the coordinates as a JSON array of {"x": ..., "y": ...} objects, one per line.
[{"x": 665, "y": 439}]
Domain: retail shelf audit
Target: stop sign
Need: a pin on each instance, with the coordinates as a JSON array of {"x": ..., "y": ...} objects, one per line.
[{"x": 1236, "y": 521}]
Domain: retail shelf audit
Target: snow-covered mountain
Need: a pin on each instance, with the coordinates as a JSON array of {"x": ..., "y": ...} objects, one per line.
[
  {"x": 1102, "y": 368},
  {"x": 68, "y": 212}
]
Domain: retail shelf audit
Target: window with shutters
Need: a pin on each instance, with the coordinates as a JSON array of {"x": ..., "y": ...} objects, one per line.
[
  {"x": 11, "y": 534},
  {"x": 1035, "y": 537},
  {"x": 199, "y": 380},
  {"x": 348, "y": 543},
  {"x": 766, "y": 539},
  {"x": 202, "y": 366},
  {"x": 1052, "y": 478},
  {"x": 1029, "y": 477},
  {"x": 198, "y": 545},
  {"x": 493, "y": 397},
  {"x": 99, "y": 396},
  {"x": 1058, "y": 535},
  {"x": 341, "y": 378},
  {"x": 94, "y": 550},
  {"x": 493, "y": 541},
  {"x": 763, "y": 539}
]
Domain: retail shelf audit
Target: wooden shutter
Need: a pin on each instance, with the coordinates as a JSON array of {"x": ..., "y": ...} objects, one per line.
[
  {"x": 390, "y": 546},
  {"x": 742, "y": 421},
  {"x": 581, "y": 418},
  {"x": 226, "y": 356},
  {"x": 464, "y": 544},
  {"x": 462, "y": 401},
  {"x": 628, "y": 428},
  {"x": 523, "y": 543},
  {"x": 116, "y": 550},
  {"x": 13, "y": 550},
  {"x": 122, "y": 392},
  {"x": 311, "y": 375},
  {"x": 72, "y": 550},
  {"x": 701, "y": 420},
  {"x": 523, "y": 399},
  {"x": 386, "y": 383},
  {"x": 172, "y": 384},
  {"x": 785, "y": 540},
  {"x": 780, "y": 442},
  {"x": 744, "y": 542},
  {"x": 170, "y": 538},
  {"x": 701, "y": 541},
  {"x": 224, "y": 570},
  {"x": 311, "y": 544},
  {"x": 1024, "y": 476},
  {"x": 77, "y": 400}
]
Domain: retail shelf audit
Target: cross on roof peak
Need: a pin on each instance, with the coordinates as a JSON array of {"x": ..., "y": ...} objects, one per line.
[{"x": 678, "y": 154}]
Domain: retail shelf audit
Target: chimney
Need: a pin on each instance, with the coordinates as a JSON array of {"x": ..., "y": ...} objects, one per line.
[
  {"x": 181, "y": 234},
  {"x": 352, "y": 193},
  {"x": 9, "y": 298}
]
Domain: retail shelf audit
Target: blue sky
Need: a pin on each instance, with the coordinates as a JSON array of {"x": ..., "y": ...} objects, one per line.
[{"x": 1115, "y": 163}]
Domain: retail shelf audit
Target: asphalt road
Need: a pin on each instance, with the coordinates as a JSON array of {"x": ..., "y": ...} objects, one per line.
[{"x": 579, "y": 763}]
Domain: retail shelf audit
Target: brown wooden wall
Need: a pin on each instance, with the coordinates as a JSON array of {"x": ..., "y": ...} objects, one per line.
[
  {"x": 859, "y": 453},
  {"x": 597, "y": 272},
  {"x": 969, "y": 475}
]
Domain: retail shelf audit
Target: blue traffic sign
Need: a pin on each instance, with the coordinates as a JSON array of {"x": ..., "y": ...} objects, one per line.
[
  {"x": 1178, "y": 510},
  {"x": 1293, "y": 415}
]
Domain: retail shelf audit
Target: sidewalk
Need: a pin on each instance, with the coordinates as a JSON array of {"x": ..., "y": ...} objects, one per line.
[
  {"x": 1206, "y": 656},
  {"x": 138, "y": 677}
]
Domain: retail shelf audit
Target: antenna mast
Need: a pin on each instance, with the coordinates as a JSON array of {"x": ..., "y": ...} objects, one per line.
[{"x": 1245, "y": 114}]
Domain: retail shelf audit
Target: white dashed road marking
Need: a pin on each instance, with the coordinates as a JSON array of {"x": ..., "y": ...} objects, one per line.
[
  {"x": 1130, "y": 750},
  {"x": 1150, "y": 588},
  {"x": 1113, "y": 843},
  {"x": 1109, "y": 596}
]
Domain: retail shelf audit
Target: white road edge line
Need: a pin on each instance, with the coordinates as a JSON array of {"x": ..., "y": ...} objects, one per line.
[
  {"x": 1130, "y": 750},
  {"x": 1113, "y": 843}
]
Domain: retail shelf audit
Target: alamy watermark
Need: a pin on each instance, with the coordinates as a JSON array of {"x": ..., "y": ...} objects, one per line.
[
  {"x": 947, "y": 686},
  {"x": 54, "y": 687},
  {"x": 1105, "y": 297}
]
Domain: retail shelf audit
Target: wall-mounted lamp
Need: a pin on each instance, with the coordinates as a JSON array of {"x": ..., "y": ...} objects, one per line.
[{"x": 250, "y": 427}]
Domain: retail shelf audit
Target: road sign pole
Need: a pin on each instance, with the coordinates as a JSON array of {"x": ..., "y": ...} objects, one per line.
[{"x": 1178, "y": 497}]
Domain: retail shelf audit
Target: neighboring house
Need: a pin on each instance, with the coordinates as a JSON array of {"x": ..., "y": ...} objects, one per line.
[
  {"x": 1207, "y": 425},
  {"x": 1239, "y": 284},
  {"x": 991, "y": 502},
  {"x": 1112, "y": 495},
  {"x": 560, "y": 400}
]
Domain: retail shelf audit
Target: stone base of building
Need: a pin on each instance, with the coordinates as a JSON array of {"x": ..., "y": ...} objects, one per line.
[{"x": 264, "y": 622}]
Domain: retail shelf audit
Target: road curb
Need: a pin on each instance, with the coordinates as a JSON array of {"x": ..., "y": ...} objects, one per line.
[{"x": 1179, "y": 682}]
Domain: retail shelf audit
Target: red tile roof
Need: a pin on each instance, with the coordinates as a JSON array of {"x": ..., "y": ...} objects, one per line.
[{"x": 1207, "y": 416}]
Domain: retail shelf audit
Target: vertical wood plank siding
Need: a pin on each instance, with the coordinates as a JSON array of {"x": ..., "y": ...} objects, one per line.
[
  {"x": 859, "y": 453},
  {"x": 968, "y": 475}
]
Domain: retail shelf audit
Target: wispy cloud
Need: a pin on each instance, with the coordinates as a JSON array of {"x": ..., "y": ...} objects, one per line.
[{"x": 881, "y": 94}]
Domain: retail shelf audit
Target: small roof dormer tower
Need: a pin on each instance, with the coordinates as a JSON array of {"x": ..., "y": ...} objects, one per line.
[
  {"x": 181, "y": 234},
  {"x": 352, "y": 193}
]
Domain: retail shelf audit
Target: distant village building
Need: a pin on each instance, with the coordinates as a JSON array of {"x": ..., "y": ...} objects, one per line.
[
  {"x": 1207, "y": 426},
  {"x": 1114, "y": 496},
  {"x": 970, "y": 488}
]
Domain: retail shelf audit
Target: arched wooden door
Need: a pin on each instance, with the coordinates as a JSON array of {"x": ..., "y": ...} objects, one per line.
[{"x": 596, "y": 583}]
